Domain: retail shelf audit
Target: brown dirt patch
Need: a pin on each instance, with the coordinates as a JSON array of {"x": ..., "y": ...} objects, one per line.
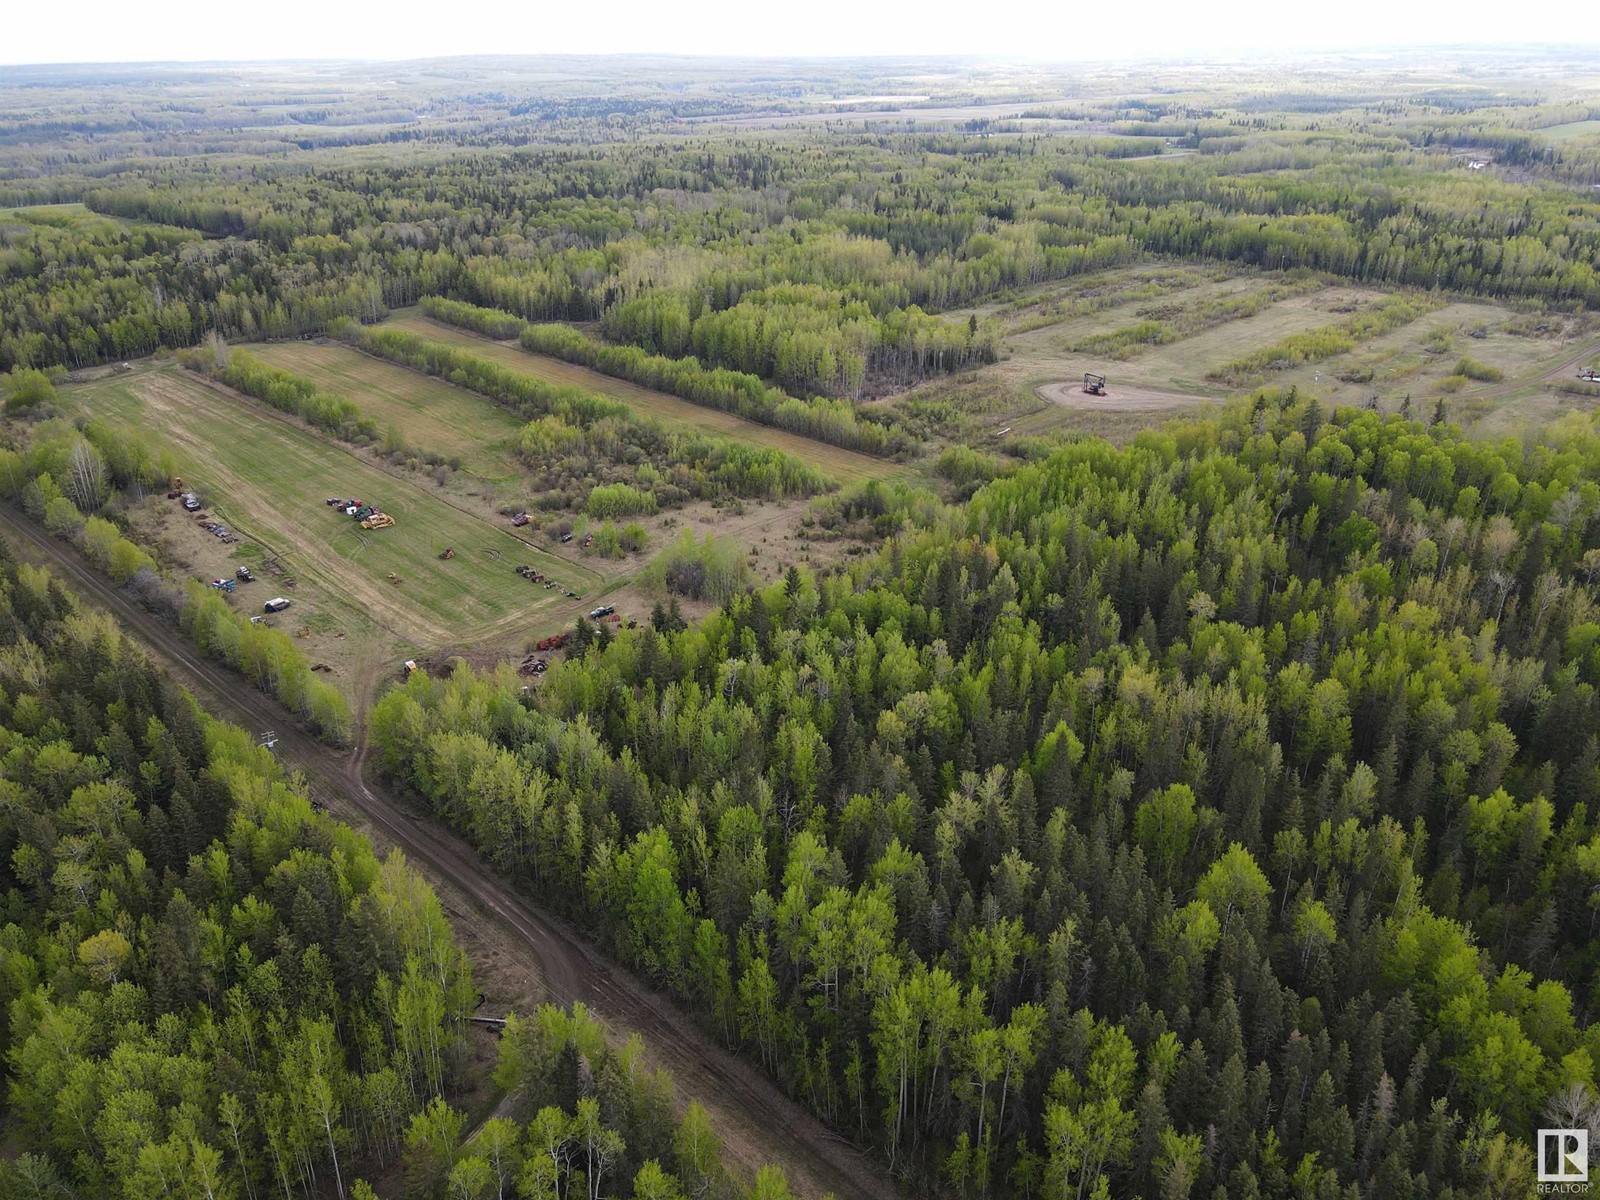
[{"x": 1118, "y": 398}]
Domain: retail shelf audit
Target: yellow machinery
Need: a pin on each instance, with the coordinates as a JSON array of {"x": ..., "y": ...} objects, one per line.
[{"x": 378, "y": 521}]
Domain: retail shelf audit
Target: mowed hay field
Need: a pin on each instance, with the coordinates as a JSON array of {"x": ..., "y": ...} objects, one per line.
[
  {"x": 846, "y": 466},
  {"x": 268, "y": 478},
  {"x": 434, "y": 416}
]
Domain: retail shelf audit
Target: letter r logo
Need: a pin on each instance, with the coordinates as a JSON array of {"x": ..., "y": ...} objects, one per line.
[{"x": 1563, "y": 1156}]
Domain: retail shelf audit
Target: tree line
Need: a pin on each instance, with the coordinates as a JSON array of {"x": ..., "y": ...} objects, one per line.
[{"x": 741, "y": 392}]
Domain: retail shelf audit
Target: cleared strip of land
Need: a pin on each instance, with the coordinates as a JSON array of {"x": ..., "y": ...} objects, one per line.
[
  {"x": 847, "y": 466},
  {"x": 271, "y": 478},
  {"x": 432, "y": 414}
]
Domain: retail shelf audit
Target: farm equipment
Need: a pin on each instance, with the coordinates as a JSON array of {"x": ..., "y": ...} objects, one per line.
[
  {"x": 447, "y": 553},
  {"x": 244, "y": 576},
  {"x": 411, "y": 666},
  {"x": 377, "y": 520},
  {"x": 1093, "y": 385},
  {"x": 554, "y": 642},
  {"x": 393, "y": 578}
]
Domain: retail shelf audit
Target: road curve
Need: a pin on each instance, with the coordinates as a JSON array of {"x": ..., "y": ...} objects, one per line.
[{"x": 746, "y": 1108}]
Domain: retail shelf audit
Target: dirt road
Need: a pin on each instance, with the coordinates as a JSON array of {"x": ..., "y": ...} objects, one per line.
[
  {"x": 757, "y": 1123},
  {"x": 1566, "y": 369}
]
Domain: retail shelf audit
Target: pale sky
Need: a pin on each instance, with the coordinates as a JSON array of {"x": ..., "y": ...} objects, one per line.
[{"x": 34, "y": 31}]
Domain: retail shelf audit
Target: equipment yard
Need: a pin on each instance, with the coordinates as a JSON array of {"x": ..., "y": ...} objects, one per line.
[{"x": 360, "y": 595}]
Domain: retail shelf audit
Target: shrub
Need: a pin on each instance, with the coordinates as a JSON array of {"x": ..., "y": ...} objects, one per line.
[
  {"x": 964, "y": 465},
  {"x": 713, "y": 569},
  {"x": 27, "y": 391},
  {"x": 1482, "y": 372},
  {"x": 619, "y": 500}
]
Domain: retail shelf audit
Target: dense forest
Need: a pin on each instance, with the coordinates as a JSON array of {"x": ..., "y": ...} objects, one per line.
[
  {"x": 1210, "y": 816},
  {"x": 215, "y": 990},
  {"x": 211, "y": 989}
]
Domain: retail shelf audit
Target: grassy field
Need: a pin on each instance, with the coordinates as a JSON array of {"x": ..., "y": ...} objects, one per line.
[
  {"x": 1181, "y": 366},
  {"x": 268, "y": 478},
  {"x": 433, "y": 415},
  {"x": 844, "y": 465},
  {"x": 1572, "y": 129}
]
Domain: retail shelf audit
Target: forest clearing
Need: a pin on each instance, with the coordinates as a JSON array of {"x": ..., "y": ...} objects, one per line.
[{"x": 270, "y": 480}]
